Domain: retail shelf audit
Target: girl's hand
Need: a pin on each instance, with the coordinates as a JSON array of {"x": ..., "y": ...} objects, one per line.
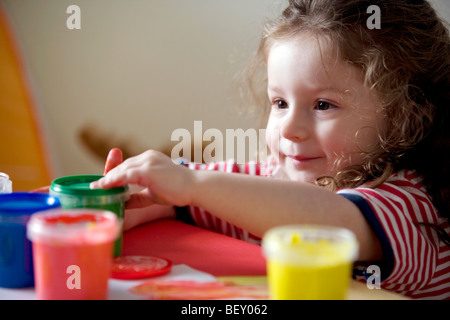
[{"x": 164, "y": 182}]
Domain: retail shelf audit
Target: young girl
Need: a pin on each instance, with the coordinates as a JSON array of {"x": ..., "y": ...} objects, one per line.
[{"x": 358, "y": 132}]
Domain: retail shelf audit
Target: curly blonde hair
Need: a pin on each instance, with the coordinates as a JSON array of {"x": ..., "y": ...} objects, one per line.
[{"x": 406, "y": 61}]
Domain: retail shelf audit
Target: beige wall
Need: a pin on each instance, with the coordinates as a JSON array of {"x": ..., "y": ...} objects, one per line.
[{"x": 137, "y": 69}]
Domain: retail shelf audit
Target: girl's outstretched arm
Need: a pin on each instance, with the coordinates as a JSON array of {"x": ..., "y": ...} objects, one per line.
[
  {"x": 252, "y": 203},
  {"x": 257, "y": 204}
]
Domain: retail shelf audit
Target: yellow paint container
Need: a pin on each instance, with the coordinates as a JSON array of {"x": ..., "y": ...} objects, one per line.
[{"x": 306, "y": 262}]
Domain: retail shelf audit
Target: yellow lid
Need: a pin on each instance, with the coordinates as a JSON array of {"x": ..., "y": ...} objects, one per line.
[{"x": 310, "y": 245}]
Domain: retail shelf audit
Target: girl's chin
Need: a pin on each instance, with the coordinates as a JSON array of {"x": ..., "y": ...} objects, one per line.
[
  {"x": 295, "y": 175},
  {"x": 307, "y": 178}
]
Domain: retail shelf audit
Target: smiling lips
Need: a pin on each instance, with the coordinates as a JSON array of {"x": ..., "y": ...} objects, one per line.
[{"x": 301, "y": 160}]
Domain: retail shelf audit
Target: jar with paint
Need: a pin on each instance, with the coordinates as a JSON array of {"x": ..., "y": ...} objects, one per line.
[
  {"x": 16, "y": 262},
  {"x": 307, "y": 262},
  {"x": 72, "y": 253},
  {"x": 74, "y": 192},
  {"x": 5, "y": 183}
]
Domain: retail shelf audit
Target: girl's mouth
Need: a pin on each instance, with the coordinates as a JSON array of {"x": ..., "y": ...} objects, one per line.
[{"x": 300, "y": 161}]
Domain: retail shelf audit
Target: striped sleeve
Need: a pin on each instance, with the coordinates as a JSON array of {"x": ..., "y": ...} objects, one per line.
[
  {"x": 204, "y": 219},
  {"x": 415, "y": 260}
]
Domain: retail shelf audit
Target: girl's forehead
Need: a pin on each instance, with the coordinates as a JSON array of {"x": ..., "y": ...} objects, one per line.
[
  {"x": 313, "y": 57},
  {"x": 307, "y": 40},
  {"x": 311, "y": 44}
]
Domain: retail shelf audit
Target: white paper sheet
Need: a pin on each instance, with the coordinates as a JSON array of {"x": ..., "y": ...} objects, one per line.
[{"x": 119, "y": 289}]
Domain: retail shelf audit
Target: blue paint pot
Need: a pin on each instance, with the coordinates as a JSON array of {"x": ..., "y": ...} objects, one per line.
[{"x": 16, "y": 261}]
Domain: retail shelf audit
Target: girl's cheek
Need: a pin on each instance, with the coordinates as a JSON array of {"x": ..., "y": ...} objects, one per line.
[{"x": 272, "y": 139}]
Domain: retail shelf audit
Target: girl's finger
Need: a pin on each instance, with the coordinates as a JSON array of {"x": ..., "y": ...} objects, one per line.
[
  {"x": 142, "y": 199},
  {"x": 114, "y": 158},
  {"x": 119, "y": 176},
  {"x": 41, "y": 190}
]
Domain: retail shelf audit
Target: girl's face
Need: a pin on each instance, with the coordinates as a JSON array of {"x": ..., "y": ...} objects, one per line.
[{"x": 321, "y": 110}]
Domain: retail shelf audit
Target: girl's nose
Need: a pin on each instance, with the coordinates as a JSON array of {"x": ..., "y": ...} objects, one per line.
[{"x": 295, "y": 126}]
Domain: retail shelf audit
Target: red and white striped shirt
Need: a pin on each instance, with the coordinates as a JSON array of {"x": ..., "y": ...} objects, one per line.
[
  {"x": 416, "y": 262},
  {"x": 204, "y": 219}
]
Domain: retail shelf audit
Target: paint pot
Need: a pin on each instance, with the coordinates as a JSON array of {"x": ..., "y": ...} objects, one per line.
[
  {"x": 16, "y": 262},
  {"x": 307, "y": 262},
  {"x": 74, "y": 192},
  {"x": 72, "y": 253},
  {"x": 5, "y": 183}
]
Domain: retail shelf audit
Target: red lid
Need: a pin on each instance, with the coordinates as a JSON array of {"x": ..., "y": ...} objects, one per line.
[{"x": 139, "y": 267}]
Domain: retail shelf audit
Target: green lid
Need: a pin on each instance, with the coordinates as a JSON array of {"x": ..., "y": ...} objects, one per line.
[{"x": 79, "y": 186}]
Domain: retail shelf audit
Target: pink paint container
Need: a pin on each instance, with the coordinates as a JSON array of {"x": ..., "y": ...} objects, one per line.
[{"x": 72, "y": 253}]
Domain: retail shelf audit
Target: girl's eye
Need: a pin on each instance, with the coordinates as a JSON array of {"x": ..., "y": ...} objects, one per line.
[
  {"x": 280, "y": 104},
  {"x": 324, "y": 106}
]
